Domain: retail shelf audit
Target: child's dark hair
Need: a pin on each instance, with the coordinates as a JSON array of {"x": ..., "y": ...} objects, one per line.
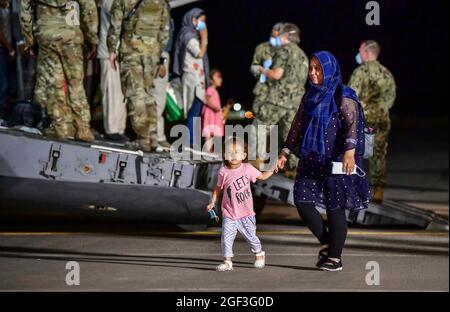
[
  {"x": 213, "y": 72},
  {"x": 234, "y": 140}
]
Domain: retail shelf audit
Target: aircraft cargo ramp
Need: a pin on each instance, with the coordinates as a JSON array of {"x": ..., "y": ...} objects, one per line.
[{"x": 390, "y": 213}]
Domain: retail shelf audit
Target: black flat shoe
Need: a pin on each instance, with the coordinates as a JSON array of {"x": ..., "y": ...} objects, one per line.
[
  {"x": 323, "y": 255},
  {"x": 331, "y": 266},
  {"x": 118, "y": 138}
]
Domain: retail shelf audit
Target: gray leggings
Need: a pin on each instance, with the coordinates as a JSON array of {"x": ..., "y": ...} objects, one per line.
[{"x": 245, "y": 226}]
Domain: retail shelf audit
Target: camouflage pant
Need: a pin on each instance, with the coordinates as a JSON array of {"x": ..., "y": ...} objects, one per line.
[
  {"x": 58, "y": 65},
  {"x": 377, "y": 164},
  {"x": 260, "y": 91},
  {"x": 137, "y": 73},
  {"x": 276, "y": 115}
]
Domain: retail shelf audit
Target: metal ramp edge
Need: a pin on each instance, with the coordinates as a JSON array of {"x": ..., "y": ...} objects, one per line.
[{"x": 390, "y": 213}]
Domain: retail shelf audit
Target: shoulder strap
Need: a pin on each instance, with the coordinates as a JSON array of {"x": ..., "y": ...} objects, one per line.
[{"x": 133, "y": 11}]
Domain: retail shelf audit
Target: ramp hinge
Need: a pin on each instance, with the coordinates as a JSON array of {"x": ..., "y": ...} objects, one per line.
[
  {"x": 53, "y": 165},
  {"x": 119, "y": 174}
]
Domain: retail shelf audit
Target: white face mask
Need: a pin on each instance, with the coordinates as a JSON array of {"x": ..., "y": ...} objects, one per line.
[{"x": 359, "y": 59}]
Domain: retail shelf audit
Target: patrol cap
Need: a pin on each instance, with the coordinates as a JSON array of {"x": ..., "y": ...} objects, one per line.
[{"x": 293, "y": 32}]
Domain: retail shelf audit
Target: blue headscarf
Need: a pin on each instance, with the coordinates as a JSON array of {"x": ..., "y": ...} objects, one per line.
[
  {"x": 320, "y": 104},
  {"x": 187, "y": 33}
]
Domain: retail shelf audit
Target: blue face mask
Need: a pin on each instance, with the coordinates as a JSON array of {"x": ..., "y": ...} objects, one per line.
[
  {"x": 275, "y": 41},
  {"x": 358, "y": 59},
  {"x": 201, "y": 25}
]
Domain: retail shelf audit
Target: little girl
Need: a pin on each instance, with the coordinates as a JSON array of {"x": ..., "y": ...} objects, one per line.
[
  {"x": 212, "y": 115},
  {"x": 237, "y": 203}
]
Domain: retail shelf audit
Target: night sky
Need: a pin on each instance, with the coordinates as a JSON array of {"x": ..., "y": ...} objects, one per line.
[{"x": 413, "y": 36}]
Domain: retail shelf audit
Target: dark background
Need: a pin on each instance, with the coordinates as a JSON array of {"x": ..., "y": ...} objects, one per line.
[{"x": 413, "y": 36}]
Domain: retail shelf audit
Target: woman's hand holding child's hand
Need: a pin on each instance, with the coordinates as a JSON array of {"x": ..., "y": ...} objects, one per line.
[{"x": 282, "y": 159}]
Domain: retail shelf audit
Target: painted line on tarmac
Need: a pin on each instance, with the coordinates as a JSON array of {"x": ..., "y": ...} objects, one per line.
[
  {"x": 40, "y": 234},
  {"x": 216, "y": 233},
  {"x": 133, "y": 257},
  {"x": 162, "y": 255},
  {"x": 305, "y": 232}
]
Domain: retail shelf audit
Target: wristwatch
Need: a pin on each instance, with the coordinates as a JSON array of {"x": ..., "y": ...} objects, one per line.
[{"x": 286, "y": 151}]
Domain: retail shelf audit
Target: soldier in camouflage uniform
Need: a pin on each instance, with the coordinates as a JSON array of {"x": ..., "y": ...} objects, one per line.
[
  {"x": 287, "y": 80},
  {"x": 263, "y": 52},
  {"x": 61, "y": 29},
  {"x": 375, "y": 86},
  {"x": 142, "y": 29}
]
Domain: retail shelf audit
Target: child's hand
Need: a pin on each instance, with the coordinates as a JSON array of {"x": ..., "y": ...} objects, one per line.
[
  {"x": 210, "y": 207},
  {"x": 282, "y": 159}
]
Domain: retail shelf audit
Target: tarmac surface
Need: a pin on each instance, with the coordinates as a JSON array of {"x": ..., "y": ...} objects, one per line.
[{"x": 174, "y": 260}]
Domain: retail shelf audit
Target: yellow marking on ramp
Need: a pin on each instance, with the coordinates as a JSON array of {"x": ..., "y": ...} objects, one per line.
[
  {"x": 300, "y": 232},
  {"x": 38, "y": 233},
  {"x": 216, "y": 233}
]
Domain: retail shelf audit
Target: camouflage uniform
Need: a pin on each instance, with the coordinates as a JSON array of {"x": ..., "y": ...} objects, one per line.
[
  {"x": 375, "y": 86},
  {"x": 263, "y": 52},
  {"x": 143, "y": 38},
  {"x": 284, "y": 96},
  {"x": 61, "y": 60}
]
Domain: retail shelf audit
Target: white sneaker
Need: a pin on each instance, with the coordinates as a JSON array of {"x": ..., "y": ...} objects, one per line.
[
  {"x": 260, "y": 264},
  {"x": 226, "y": 266}
]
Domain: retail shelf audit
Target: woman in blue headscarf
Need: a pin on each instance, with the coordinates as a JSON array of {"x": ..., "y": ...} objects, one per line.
[
  {"x": 192, "y": 65},
  {"x": 328, "y": 128}
]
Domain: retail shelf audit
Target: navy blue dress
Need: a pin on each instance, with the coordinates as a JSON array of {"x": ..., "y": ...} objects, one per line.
[{"x": 315, "y": 181}]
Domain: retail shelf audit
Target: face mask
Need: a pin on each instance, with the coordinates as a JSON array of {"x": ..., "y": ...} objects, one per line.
[
  {"x": 276, "y": 42},
  {"x": 279, "y": 43},
  {"x": 338, "y": 169},
  {"x": 273, "y": 41},
  {"x": 201, "y": 25},
  {"x": 359, "y": 59}
]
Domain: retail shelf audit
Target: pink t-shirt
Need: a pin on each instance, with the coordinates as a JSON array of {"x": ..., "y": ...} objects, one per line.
[{"x": 237, "y": 202}]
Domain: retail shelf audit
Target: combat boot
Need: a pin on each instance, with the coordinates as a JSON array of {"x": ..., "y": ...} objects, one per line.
[
  {"x": 85, "y": 135},
  {"x": 164, "y": 145},
  {"x": 153, "y": 141},
  {"x": 142, "y": 144},
  {"x": 71, "y": 133},
  {"x": 53, "y": 133},
  {"x": 378, "y": 194}
]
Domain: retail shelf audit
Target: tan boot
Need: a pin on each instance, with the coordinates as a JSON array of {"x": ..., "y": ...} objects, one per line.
[
  {"x": 153, "y": 142},
  {"x": 72, "y": 133},
  {"x": 85, "y": 135},
  {"x": 142, "y": 144},
  {"x": 378, "y": 194},
  {"x": 51, "y": 133},
  {"x": 59, "y": 133},
  {"x": 164, "y": 144}
]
